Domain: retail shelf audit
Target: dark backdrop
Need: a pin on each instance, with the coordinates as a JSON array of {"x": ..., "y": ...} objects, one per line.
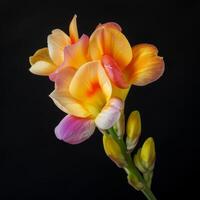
[{"x": 34, "y": 163}]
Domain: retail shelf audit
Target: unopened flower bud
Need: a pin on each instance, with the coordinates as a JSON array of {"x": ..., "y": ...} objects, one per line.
[
  {"x": 113, "y": 150},
  {"x": 137, "y": 161},
  {"x": 148, "y": 154},
  {"x": 134, "y": 182},
  {"x": 133, "y": 130}
]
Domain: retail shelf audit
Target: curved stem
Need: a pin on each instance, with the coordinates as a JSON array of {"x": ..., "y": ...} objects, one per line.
[{"x": 130, "y": 165}]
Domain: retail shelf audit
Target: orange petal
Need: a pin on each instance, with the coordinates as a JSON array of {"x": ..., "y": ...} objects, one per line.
[
  {"x": 73, "y": 31},
  {"x": 114, "y": 72},
  {"x": 146, "y": 66},
  {"x": 85, "y": 81},
  {"x": 57, "y": 41},
  {"x": 110, "y": 25},
  {"x": 41, "y": 63},
  {"x": 109, "y": 41},
  {"x": 76, "y": 54},
  {"x": 89, "y": 79}
]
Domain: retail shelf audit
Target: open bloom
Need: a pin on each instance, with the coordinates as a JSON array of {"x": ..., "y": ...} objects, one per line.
[
  {"x": 46, "y": 60},
  {"x": 93, "y": 76},
  {"x": 85, "y": 95},
  {"x": 139, "y": 65}
]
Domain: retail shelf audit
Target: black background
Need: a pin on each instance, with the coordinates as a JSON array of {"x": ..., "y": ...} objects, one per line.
[{"x": 34, "y": 163}]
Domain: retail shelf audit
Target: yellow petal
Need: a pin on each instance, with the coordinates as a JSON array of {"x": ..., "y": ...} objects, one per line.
[
  {"x": 69, "y": 105},
  {"x": 146, "y": 66},
  {"x": 61, "y": 95},
  {"x": 119, "y": 92},
  {"x": 110, "y": 41},
  {"x": 85, "y": 82},
  {"x": 105, "y": 83},
  {"x": 57, "y": 41},
  {"x": 88, "y": 87},
  {"x": 41, "y": 63},
  {"x": 42, "y": 68},
  {"x": 73, "y": 31},
  {"x": 41, "y": 54}
]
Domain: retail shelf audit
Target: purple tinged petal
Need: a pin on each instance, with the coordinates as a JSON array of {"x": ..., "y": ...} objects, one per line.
[
  {"x": 110, "y": 114},
  {"x": 74, "y": 130}
]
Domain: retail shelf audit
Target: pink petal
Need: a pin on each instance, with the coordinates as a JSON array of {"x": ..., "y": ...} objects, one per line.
[
  {"x": 110, "y": 114},
  {"x": 74, "y": 130},
  {"x": 114, "y": 72}
]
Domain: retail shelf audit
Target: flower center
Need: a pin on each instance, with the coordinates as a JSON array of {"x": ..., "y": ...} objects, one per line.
[{"x": 95, "y": 87}]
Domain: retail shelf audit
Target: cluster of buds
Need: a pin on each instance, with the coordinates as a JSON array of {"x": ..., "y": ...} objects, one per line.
[{"x": 119, "y": 149}]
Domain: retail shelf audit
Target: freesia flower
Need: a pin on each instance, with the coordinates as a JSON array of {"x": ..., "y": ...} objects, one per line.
[
  {"x": 85, "y": 95},
  {"x": 139, "y": 65},
  {"x": 46, "y": 60},
  {"x": 92, "y": 77}
]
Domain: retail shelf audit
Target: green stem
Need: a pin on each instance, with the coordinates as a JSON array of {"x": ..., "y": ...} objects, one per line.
[
  {"x": 130, "y": 165},
  {"x": 148, "y": 177},
  {"x": 148, "y": 193}
]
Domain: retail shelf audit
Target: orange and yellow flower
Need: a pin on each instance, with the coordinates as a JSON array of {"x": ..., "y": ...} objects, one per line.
[
  {"x": 139, "y": 65},
  {"x": 85, "y": 95},
  {"x": 46, "y": 60},
  {"x": 93, "y": 75}
]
